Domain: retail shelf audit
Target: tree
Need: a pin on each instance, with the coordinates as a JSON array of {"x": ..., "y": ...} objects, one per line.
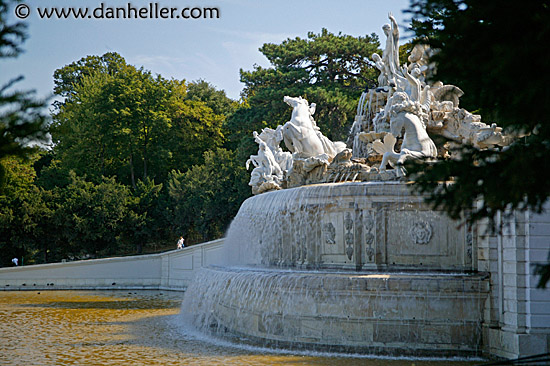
[
  {"x": 195, "y": 129},
  {"x": 22, "y": 117},
  {"x": 207, "y": 197},
  {"x": 120, "y": 125},
  {"x": 119, "y": 120},
  {"x": 135, "y": 106},
  {"x": 91, "y": 218},
  {"x": 327, "y": 69},
  {"x": 216, "y": 100},
  {"x": 15, "y": 198},
  {"x": 70, "y": 76},
  {"x": 114, "y": 123},
  {"x": 146, "y": 225},
  {"x": 492, "y": 50},
  {"x": 82, "y": 134}
]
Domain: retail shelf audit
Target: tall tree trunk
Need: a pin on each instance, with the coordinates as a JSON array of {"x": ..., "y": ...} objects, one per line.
[
  {"x": 132, "y": 174},
  {"x": 103, "y": 160},
  {"x": 144, "y": 167},
  {"x": 145, "y": 143}
]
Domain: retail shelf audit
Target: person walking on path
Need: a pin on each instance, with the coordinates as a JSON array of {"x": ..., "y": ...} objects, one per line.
[{"x": 181, "y": 243}]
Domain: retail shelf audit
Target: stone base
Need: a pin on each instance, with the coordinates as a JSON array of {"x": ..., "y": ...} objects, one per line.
[
  {"x": 420, "y": 314},
  {"x": 508, "y": 344}
]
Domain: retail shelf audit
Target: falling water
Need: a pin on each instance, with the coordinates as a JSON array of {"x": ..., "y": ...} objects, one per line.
[{"x": 338, "y": 267}]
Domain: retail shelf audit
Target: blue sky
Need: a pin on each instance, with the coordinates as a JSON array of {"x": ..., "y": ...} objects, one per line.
[{"x": 211, "y": 49}]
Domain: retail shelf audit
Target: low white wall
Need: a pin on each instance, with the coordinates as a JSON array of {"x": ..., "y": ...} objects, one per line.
[
  {"x": 170, "y": 270},
  {"x": 179, "y": 266}
]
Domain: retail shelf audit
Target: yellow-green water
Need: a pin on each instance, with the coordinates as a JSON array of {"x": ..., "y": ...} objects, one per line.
[{"x": 130, "y": 328}]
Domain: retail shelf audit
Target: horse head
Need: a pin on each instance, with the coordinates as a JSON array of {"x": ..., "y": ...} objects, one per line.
[
  {"x": 294, "y": 101},
  {"x": 271, "y": 136}
]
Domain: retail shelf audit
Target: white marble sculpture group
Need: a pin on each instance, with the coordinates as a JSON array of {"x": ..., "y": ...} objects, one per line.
[{"x": 403, "y": 100}]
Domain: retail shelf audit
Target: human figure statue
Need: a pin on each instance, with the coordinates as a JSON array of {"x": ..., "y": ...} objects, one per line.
[
  {"x": 415, "y": 86},
  {"x": 383, "y": 77},
  {"x": 390, "y": 57},
  {"x": 419, "y": 57},
  {"x": 273, "y": 139},
  {"x": 381, "y": 120},
  {"x": 416, "y": 144},
  {"x": 266, "y": 167},
  {"x": 312, "y": 108}
]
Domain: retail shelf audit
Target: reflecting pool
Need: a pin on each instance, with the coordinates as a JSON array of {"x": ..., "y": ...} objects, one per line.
[{"x": 133, "y": 328}]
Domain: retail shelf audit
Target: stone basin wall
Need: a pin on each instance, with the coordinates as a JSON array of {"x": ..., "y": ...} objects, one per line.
[
  {"x": 358, "y": 226},
  {"x": 424, "y": 314}
]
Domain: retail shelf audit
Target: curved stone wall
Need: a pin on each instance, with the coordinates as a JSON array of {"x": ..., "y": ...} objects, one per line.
[
  {"x": 419, "y": 314},
  {"x": 172, "y": 270},
  {"x": 357, "y": 267},
  {"x": 364, "y": 225}
]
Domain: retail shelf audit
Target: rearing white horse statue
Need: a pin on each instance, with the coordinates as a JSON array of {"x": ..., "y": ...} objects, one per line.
[
  {"x": 301, "y": 134},
  {"x": 416, "y": 142}
]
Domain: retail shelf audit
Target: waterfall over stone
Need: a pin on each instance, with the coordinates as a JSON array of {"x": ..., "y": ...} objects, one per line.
[{"x": 354, "y": 267}]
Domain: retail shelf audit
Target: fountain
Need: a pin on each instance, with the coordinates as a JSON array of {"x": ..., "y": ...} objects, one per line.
[{"x": 335, "y": 251}]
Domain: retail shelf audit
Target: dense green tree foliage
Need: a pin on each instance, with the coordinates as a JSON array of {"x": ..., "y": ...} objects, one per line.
[
  {"x": 16, "y": 195},
  {"x": 79, "y": 220},
  {"x": 495, "y": 52},
  {"x": 90, "y": 215},
  {"x": 119, "y": 120},
  {"x": 67, "y": 78},
  {"x": 22, "y": 118},
  {"x": 216, "y": 100},
  {"x": 207, "y": 196},
  {"x": 22, "y": 123}
]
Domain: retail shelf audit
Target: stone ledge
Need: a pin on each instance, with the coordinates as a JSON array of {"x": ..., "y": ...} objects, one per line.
[{"x": 356, "y": 311}]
